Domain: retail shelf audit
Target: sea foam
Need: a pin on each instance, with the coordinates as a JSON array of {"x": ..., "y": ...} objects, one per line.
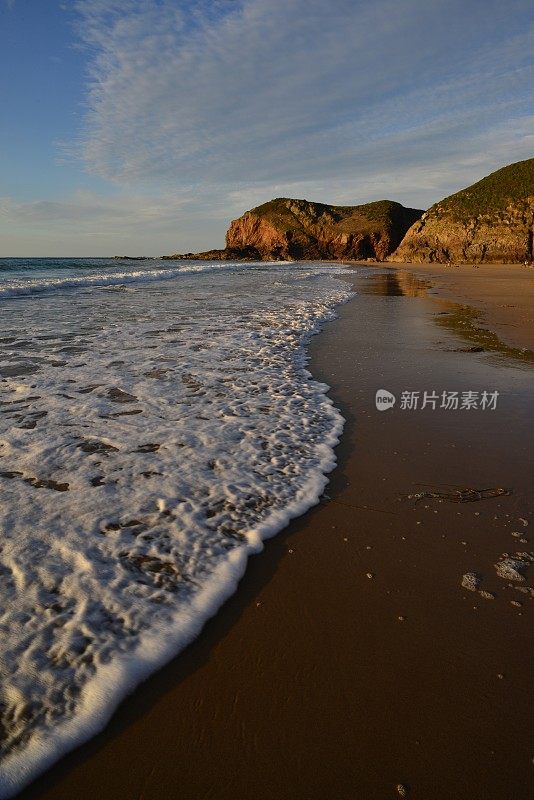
[
  {"x": 12, "y": 285},
  {"x": 150, "y": 441}
]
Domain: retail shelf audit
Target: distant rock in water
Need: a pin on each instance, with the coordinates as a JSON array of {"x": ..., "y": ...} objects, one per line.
[
  {"x": 244, "y": 254},
  {"x": 286, "y": 229},
  {"x": 492, "y": 221}
]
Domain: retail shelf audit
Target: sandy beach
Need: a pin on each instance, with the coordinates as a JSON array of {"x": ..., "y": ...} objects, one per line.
[
  {"x": 351, "y": 660},
  {"x": 502, "y": 293}
]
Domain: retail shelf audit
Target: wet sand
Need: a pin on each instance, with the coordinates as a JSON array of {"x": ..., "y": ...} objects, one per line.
[
  {"x": 316, "y": 682},
  {"x": 502, "y": 293}
]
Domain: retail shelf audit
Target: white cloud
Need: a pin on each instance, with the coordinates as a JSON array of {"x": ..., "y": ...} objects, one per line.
[
  {"x": 88, "y": 208},
  {"x": 87, "y": 223},
  {"x": 197, "y": 110},
  {"x": 268, "y": 91}
]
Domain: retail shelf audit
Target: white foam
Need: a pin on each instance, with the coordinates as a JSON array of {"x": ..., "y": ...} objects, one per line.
[
  {"x": 106, "y": 581},
  {"x": 13, "y": 286},
  {"x": 17, "y": 287}
]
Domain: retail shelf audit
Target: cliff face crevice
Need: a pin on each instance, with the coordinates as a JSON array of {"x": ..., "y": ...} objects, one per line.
[
  {"x": 297, "y": 229},
  {"x": 491, "y": 221}
]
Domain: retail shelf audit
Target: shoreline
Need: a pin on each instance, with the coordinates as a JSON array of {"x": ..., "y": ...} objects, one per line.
[
  {"x": 509, "y": 296},
  {"x": 291, "y": 691}
]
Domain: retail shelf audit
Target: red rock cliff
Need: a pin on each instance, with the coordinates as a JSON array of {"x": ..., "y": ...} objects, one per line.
[{"x": 298, "y": 229}]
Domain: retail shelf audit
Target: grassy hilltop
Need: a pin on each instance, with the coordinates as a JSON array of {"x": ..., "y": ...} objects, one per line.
[
  {"x": 491, "y": 221},
  {"x": 494, "y": 193}
]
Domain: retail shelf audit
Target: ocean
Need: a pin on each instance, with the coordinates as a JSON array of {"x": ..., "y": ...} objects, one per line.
[{"x": 157, "y": 423}]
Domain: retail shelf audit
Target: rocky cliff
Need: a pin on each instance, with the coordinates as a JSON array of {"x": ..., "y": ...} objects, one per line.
[
  {"x": 286, "y": 229},
  {"x": 492, "y": 221},
  {"x": 298, "y": 229}
]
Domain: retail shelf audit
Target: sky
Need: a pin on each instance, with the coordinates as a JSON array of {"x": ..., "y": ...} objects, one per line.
[{"x": 142, "y": 127}]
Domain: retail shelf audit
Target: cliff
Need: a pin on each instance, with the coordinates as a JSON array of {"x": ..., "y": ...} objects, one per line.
[
  {"x": 491, "y": 221},
  {"x": 286, "y": 229},
  {"x": 298, "y": 229}
]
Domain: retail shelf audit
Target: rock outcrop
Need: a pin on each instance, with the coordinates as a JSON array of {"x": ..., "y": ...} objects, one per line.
[
  {"x": 298, "y": 229},
  {"x": 214, "y": 255},
  {"x": 490, "y": 221},
  {"x": 286, "y": 229}
]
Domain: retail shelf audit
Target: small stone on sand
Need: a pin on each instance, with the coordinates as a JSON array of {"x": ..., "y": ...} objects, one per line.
[
  {"x": 486, "y": 595},
  {"x": 511, "y": 569},
  {"x": 370, "y": 575},
  {"x": 402, "y": 790},
  {"x": 470, "y": 581}
]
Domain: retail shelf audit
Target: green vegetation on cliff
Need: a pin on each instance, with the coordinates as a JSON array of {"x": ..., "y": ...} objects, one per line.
[
  {"x": 492, "y": 194},
  {"x": 490, "y": 221},
  {"x": 291, "y": 215}
]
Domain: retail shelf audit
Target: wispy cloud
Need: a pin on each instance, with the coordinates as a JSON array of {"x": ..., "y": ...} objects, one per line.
[
  {"x": 196, "y": 110},
  {"x": 260, "y": 92},
  {"x": 88, "y": 208},
  {"x": 87, "y": 222}
]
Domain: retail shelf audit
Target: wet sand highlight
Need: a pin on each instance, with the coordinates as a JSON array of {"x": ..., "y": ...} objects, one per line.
[{"x": 503, "y": 294}]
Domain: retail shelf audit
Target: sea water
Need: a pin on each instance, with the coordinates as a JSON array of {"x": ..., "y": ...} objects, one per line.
[{"x": 157, "y": 422}]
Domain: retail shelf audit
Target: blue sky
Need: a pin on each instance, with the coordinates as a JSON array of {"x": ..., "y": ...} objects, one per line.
[
  {"x": 143, "y": 126},
  {"x": 41, "y": 95}
]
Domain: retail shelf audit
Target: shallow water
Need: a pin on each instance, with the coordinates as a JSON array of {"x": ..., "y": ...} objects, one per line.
[{"x": 156, "y": 422}]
